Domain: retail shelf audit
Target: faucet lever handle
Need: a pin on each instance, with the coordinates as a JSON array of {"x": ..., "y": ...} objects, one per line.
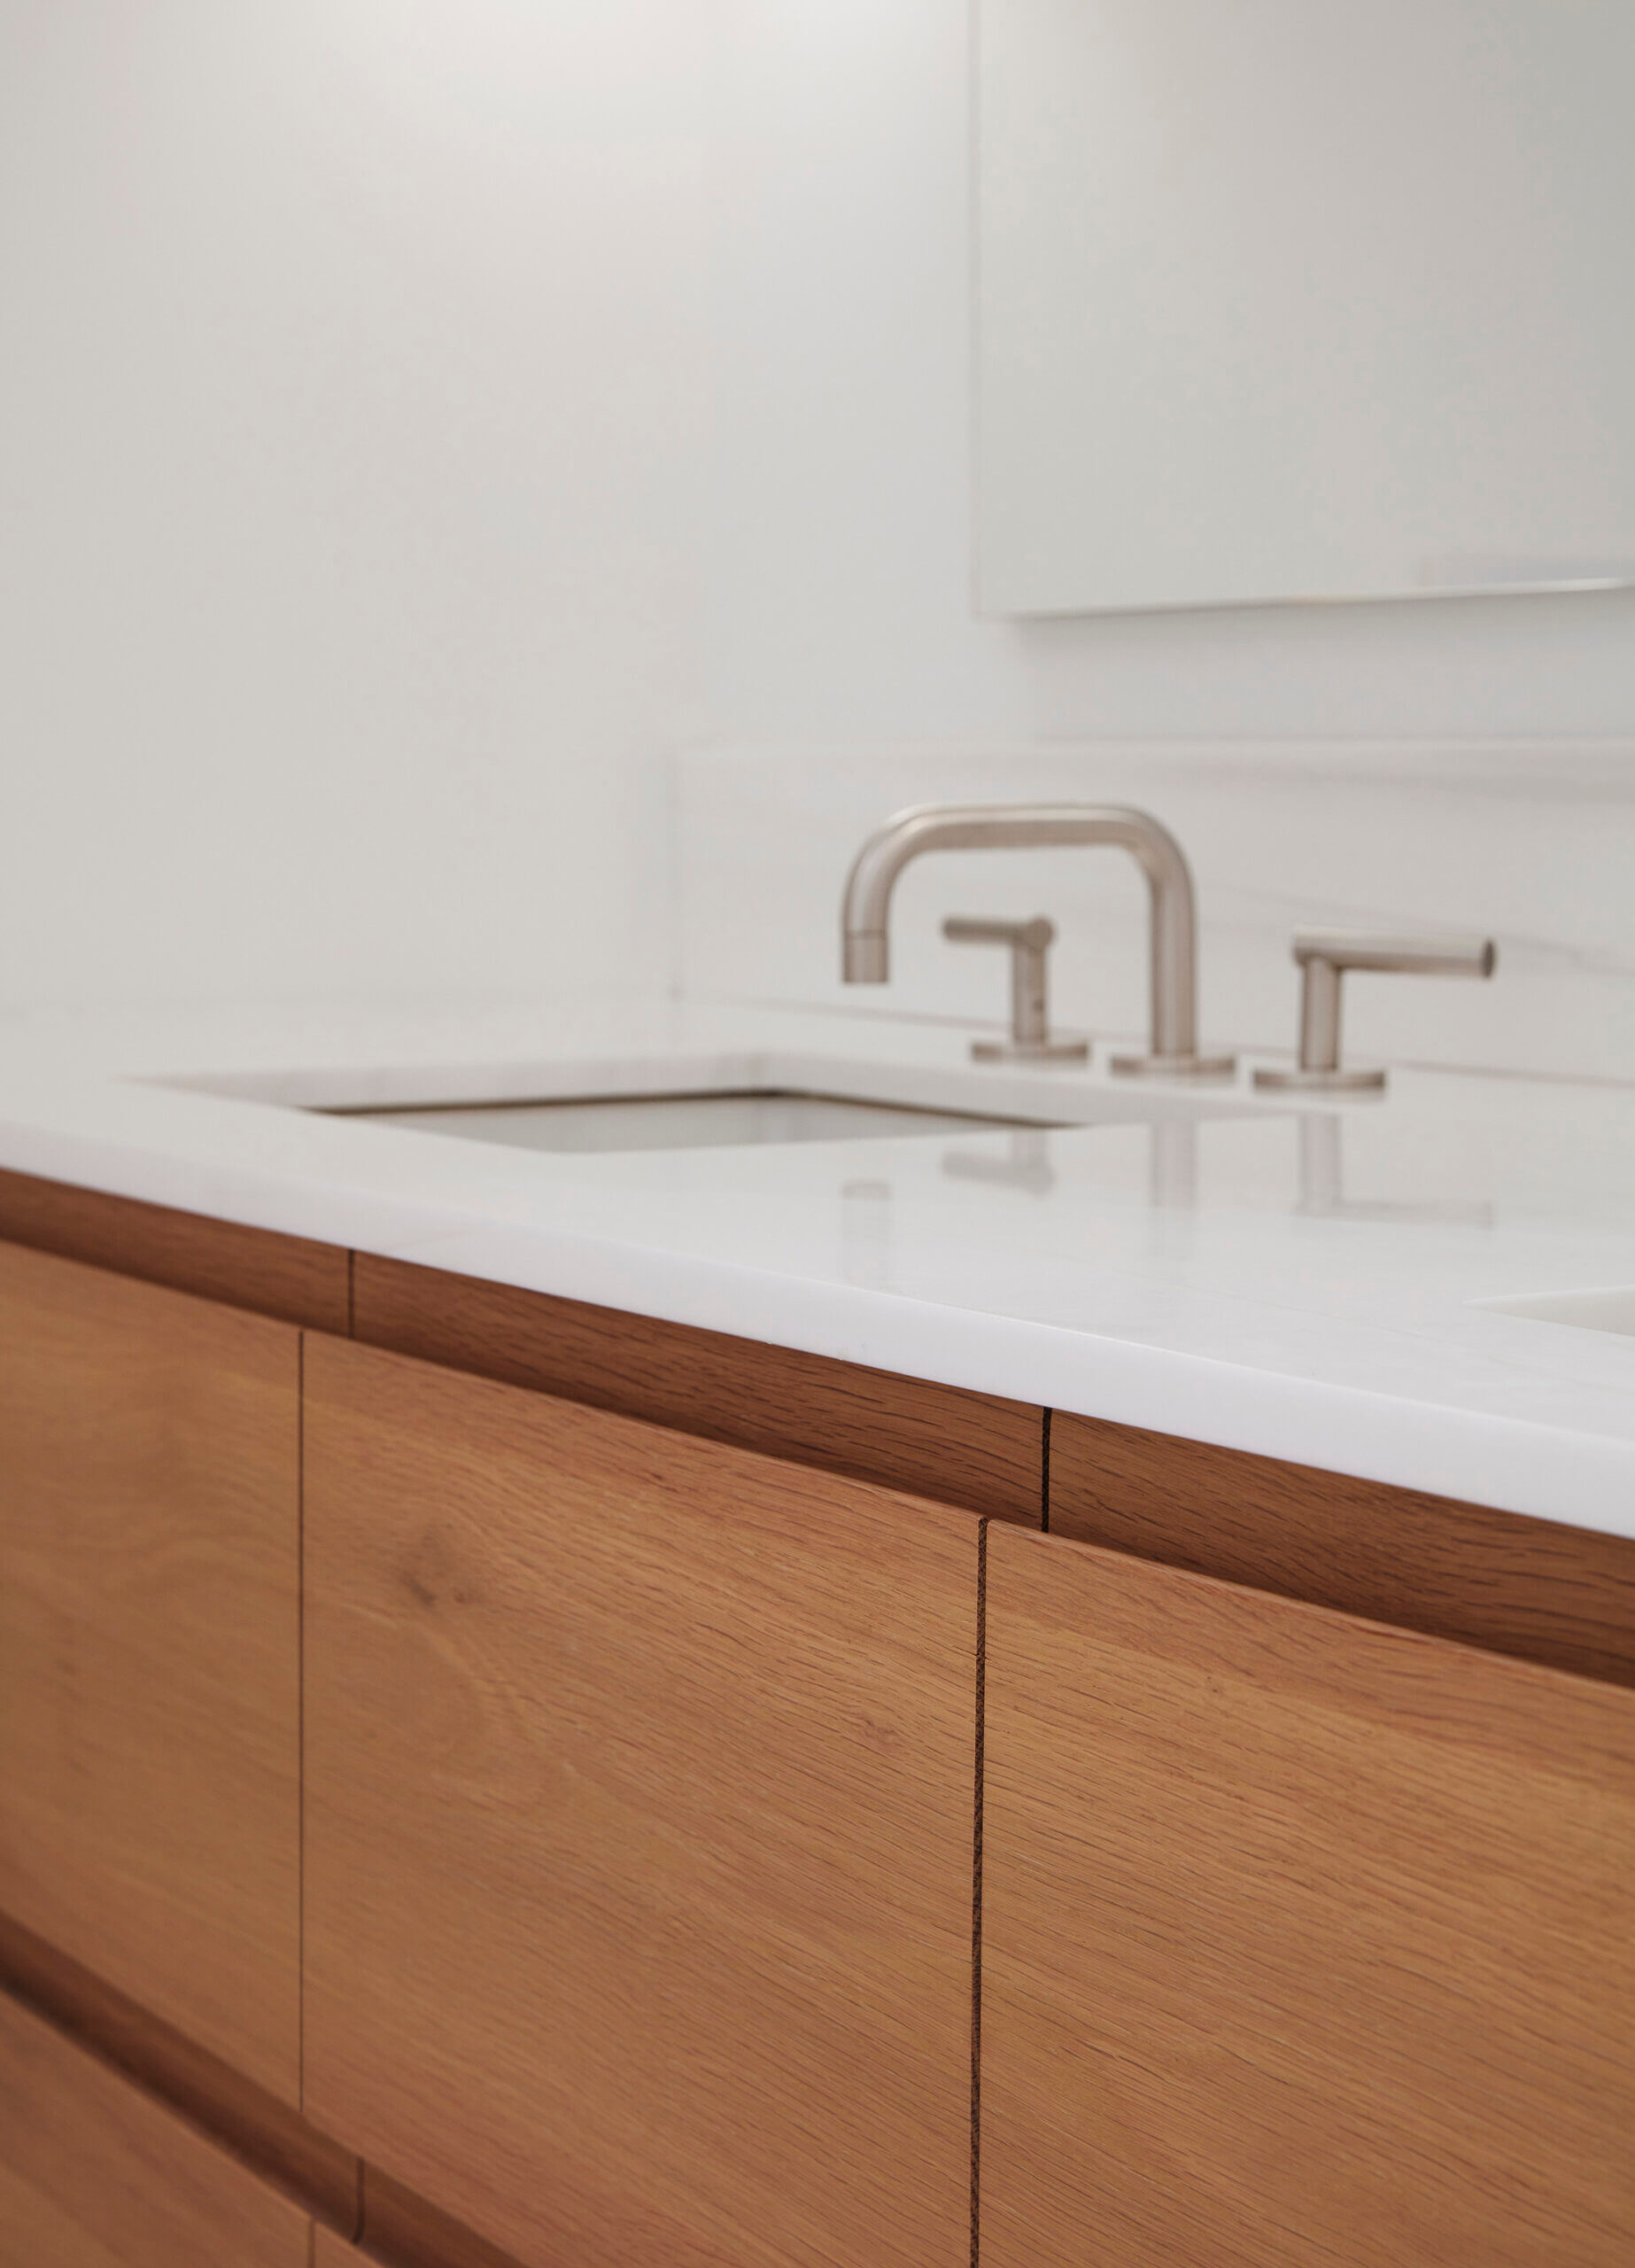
[
  {"x": 1030, "y": 1040},
  {"x": 976, "y": 929},
  {"x": 1323, "y": 956}
]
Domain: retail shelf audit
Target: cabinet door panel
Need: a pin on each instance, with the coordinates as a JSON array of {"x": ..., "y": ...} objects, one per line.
[
  {"x": 1303, "y": 1940},
  {"x": 639, "y": 1830},
  {"x": 95, "y": 2174},
  {"x": 150, "y": 1648}
]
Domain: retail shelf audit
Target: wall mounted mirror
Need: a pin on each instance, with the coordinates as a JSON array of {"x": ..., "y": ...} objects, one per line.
[{"x": 1303, "y": 300}]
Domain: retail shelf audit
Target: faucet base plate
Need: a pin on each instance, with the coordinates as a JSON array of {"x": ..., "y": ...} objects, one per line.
[
  {"x": 1064, "y": 1050},
  {"x": 1335, "y": 1083},
  {"x": 1175, "y": 1066}
]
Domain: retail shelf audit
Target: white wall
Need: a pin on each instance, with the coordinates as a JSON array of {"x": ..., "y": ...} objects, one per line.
[
  {"x": 419, "y": 418},
  {"x": 353, "y": 410}
]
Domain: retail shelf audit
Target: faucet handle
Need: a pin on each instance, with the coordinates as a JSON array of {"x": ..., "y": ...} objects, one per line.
[
  {"x": 1323, "y": 956},
  {"x": 1030, "y": 1040}
]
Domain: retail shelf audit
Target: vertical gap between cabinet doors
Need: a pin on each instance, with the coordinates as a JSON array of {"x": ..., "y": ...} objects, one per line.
[
  {"x": 300, "y": 1718},
  {"x": 1044, "y": 1475},
  {"x": 351, "y": 1294},
  {"x": 976, "y": 1899}
]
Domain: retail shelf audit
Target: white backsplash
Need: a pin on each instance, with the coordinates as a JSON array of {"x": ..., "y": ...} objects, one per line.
[{"x": 1531, "y": 842}]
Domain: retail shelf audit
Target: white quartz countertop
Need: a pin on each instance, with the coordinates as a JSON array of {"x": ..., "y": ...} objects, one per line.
[{"x": 1302, "y": 1279}]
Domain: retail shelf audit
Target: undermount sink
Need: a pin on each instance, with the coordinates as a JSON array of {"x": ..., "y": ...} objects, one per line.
[
  {"x": 695, "y": 1099},
  {"x": 727, "y": 1118},
  {"x": 1612, "y": 1309}
]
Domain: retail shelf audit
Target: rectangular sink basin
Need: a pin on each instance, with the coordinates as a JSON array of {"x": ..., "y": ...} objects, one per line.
[
  {"x": 1608, "y": 1310},
  {"x": 681, "y": 1122}
]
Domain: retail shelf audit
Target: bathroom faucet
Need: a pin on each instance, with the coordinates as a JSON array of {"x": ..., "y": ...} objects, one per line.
[{"x": 865, "y": 956}]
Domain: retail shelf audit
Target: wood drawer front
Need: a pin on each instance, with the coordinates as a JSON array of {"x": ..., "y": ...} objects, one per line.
[
  {"x": 150, "y": 1648},
  {"x": 640, "y": 1778},
  {"x": 95, "y": 2174},
  {"x": 1303, "y": 1940},
  {"x": 975, "y": 1450}
]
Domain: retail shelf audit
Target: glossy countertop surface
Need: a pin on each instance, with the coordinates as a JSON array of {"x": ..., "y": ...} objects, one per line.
[{"x": 1308, "y": 1280}]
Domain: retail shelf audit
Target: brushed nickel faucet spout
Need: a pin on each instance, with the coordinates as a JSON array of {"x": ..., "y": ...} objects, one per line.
[{"x": 865, "y": 915}]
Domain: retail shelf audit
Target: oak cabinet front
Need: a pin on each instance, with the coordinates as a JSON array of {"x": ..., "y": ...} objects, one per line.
[
  {"x": 95, "y": 2174},
  {"x": 639, "y": 1830},
  {"x": 150, "y": 1648},
  {"x": 1305, "y": 1940}
]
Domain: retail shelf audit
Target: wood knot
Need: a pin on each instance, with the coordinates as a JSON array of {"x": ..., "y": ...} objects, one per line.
[{"x": 432, "y": 1575}]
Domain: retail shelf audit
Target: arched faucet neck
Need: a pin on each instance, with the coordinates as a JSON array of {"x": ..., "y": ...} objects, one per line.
[{"x": 912, "y": 834}]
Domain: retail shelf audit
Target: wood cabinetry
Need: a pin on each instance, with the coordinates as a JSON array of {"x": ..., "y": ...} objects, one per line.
[
  {"x": 95, "y": 2174},
  {"x": 642, "y": 1801},
  {"x": 640, "y": 1793},
  {"x": 150, "y": 1648},
  {"x": 1304, "y": 1939}
]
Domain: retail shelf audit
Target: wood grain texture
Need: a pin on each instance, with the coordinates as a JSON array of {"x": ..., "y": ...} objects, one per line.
[
  {"x": 289, "y": 1277},
  {"x": 331, "y": 2251},
  {"x": 1544, "y": 1592},
  {"x": 94, "y": 2174},
  {"x": 401, "y": 2231},
  {"x": 639, "y": 1831},
  {"x": 271, "y": 2138},
  {"x": 1305, "y": 1940},
  {"x": 150, "y": 1648},
  {"x": 975, "y": 1450}
]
